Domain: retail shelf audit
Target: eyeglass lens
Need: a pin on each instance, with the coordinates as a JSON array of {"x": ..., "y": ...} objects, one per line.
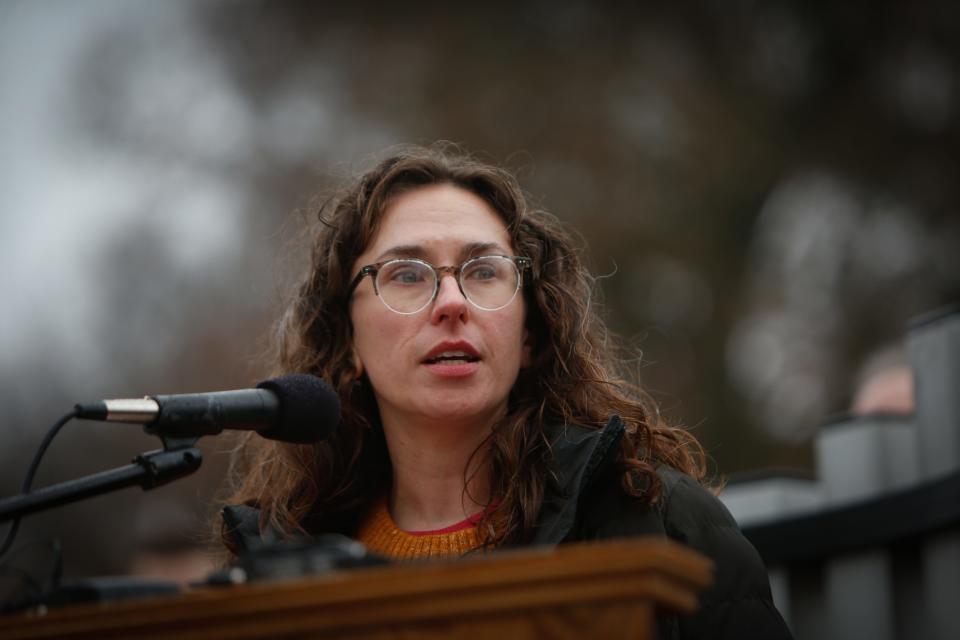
[{"x": 407, "y": 286}]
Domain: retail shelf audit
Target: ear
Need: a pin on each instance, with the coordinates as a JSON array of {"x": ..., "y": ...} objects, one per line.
[
  {"x": 526, "y": 353},
  {"x": 357, "y": 363}
]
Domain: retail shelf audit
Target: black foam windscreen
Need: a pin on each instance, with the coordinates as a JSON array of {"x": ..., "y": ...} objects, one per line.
[{"x": 309, "y": 408}]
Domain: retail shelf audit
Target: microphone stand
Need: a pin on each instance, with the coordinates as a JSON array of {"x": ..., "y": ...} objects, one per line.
[
  {"x": 152, "y": 469},
  {"x": 177, "y": 459}
]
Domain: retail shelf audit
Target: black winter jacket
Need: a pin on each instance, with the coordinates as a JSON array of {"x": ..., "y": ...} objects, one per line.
[{"x": 588, "y": 503}]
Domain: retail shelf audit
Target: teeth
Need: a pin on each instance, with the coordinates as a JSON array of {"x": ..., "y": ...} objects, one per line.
[{"x": 453, "y": 357}]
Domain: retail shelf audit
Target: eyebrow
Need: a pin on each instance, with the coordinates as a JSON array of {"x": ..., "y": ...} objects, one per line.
[{"x": 468, "y": 250}]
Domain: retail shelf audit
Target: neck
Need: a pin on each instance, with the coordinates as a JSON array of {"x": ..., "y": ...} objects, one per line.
[{"x": 439, "y": 474}]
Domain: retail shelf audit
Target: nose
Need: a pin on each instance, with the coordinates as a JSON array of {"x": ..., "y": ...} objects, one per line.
[{"x": 449, "y": 303}]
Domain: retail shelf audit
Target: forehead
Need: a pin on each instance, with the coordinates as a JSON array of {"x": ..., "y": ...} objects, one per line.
[{"x": 439, "y": 221}]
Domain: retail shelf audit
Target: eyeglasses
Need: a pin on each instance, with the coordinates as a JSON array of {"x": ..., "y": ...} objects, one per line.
[{"x": 407, "y": 286}]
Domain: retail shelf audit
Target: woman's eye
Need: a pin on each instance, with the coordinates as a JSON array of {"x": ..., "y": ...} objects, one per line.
[
  {"x": 482, "y": 272},
  {"x": 406, "y": 276}
]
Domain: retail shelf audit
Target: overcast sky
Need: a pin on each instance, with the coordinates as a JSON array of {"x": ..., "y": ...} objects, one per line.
[{"x": 64, "y": 202}]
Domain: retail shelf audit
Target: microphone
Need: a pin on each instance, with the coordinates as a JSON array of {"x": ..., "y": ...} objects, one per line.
[{"x": 297, "y": 408}]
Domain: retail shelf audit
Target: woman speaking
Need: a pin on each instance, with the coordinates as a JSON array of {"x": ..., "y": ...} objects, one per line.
[{"x": 483, "y": 404}]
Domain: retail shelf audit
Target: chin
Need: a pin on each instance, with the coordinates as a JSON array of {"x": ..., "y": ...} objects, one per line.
[{"x": 460, "y": 409}]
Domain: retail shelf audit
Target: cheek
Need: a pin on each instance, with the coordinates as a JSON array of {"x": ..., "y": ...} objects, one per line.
[{"x": 376, "y": 337}]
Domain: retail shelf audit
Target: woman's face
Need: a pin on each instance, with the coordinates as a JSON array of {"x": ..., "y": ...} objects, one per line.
[{"x": 443, "y": 225}]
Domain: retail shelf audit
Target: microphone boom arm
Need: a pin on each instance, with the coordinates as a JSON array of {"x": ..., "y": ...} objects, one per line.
[{"x": 149, "y": 470}]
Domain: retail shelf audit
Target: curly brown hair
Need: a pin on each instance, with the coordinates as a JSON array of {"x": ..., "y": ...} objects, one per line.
[{"x": 576, "y": 375}]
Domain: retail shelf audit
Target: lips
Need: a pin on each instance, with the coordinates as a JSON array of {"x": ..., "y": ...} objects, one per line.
[{"x": 452, "y": 353}]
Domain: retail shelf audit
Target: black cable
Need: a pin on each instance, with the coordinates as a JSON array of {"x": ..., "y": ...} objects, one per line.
[
  {"x": 56, "y": 573},
  {"x": 33, "y": 587},
  {"x": 32, "y": 471},
  {"x": 19, "y": 586}
]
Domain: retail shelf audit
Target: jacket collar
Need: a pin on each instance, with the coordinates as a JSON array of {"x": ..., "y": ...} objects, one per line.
[{"x": 577, "y": 453}]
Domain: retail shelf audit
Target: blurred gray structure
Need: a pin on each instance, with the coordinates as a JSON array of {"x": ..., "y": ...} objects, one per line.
[{"x": 869, "y": 547}]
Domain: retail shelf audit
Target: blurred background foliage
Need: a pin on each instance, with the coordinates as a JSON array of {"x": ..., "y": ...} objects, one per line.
[{"x": 768, "y": 191}]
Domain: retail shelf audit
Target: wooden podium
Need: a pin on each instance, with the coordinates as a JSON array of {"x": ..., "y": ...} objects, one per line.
[{"x": 597, "y": 590}]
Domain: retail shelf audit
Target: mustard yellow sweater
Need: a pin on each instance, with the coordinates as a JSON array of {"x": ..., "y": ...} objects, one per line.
[{"x": 381, "y": 535}]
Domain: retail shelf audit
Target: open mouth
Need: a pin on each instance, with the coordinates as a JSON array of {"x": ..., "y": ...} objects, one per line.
[{"x": 452, "y": 357}]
